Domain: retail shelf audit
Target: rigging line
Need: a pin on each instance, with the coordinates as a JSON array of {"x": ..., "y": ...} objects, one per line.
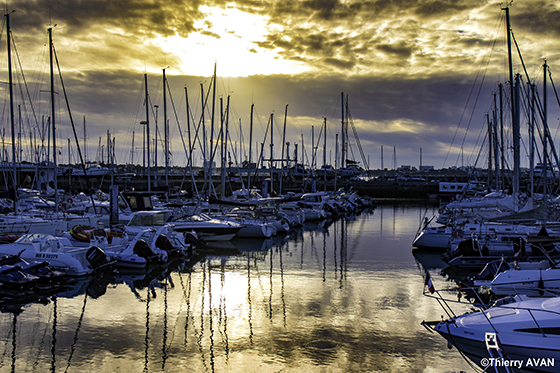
[
  {"x": 498, "y": 22},
  {"x": 136, "y": 109},
  {"x": 557, "y": 100},
  {"x": 472, "y": 112},
  {"x": 24, "y": 81},
  {"x": 481, "y": 138},
  {"x": 73, "y": 127},
  {"x": 546, "y": 129},
  {"x": 541, "y": 113},
  {"x": 178, "y": 124},
  {"x": 260, "y": 158},
  {"x": 358, "y": 143}
]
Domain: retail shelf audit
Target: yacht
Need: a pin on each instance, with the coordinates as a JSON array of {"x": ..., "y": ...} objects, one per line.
[
  {"x": 205, "y": 227},
  {"x": 518, "y": 329},
  {"x": 59, "y": 252}
]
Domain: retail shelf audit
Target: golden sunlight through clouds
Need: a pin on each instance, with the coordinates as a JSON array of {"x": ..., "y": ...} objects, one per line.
[{"x": 228, "y": 37}]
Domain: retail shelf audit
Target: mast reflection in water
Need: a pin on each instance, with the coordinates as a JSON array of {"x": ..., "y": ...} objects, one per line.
[{"x": 347, "y": 297}]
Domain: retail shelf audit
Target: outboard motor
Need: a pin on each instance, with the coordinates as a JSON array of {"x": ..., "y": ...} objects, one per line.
[
  {"x": 96, "y": 257},
  {"x": 163, "y": 243},
  {"x": 142, "y": 249},
  {"x": 543, "y": 248},
  {"x": 192, "y": 241}
]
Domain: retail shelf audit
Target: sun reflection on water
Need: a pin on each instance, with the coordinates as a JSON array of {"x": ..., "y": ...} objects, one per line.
[{"x": 346, "y": 297}]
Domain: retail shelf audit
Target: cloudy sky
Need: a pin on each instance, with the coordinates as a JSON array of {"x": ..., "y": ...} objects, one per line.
[{"x": 419, "y": 75}]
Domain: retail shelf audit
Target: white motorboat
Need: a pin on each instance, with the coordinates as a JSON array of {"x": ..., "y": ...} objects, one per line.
[
  {"x": 205, "y": 227},
  {"x": 52, "y": 223},
  {"x": 147, "y": 246},
  {"x": 498, "y": 236},
  {"x": 432, "y": 236},
  {"x": 93, "y": 170},
  {"x": 535, "y": 282},
  {"x": 524, "y": 331},
  {"x": 252, "y": 226},
  {"x": 59, "y": 252}
]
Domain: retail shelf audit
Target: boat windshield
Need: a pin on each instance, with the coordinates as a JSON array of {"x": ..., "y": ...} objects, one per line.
[
  {"x": 27, "y": 239},
  {"x": 151, "y": 220},
  {"x": 200, "y": 217}
]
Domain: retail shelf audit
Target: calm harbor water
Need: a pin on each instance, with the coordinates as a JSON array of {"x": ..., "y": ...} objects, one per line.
[{"x": 345, "y": 298}]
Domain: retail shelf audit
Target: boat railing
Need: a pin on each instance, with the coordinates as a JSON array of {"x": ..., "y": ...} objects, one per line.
[
  {"x": 478, "y": 305},
  {"x": 461, "y": 294},
  {"x": 532, "y": 312}
]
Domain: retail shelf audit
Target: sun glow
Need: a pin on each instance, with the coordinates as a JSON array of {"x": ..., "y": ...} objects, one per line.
[{"x": 228, "y": 37}]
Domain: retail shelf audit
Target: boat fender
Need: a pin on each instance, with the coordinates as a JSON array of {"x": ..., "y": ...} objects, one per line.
[
  {"x": 81, "y": 233},
  {"x": 458, "y": 233},
  {"x": 96, "y": 257},
  {"x": 519, "y": 246}
]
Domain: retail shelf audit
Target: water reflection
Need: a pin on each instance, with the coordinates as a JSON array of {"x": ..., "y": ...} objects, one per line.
[{"x": 338, "y": 297}]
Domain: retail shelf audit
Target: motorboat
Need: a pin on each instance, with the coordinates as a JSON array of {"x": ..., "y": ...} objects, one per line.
[
  {"x": 205, "y": 227},
  {"x": 521, "y": 329},
  {"x": 59, "y": 252},
  {"x": 326, "y": 171},
  {"x": 252, "y": 226},
  {"x": 94, "y": 170},
  {"x": 493, "y": 235},
  {"x": 146, "y": 246},
  {"x": 504, "y": 240},
  {"x": 539, "y": 279}
]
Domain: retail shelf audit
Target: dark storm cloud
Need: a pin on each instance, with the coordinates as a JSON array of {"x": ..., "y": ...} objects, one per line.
[
  {"x": 425, "y": 108},
  {"x": 389, "y": 27},
  {"x": 402, "y": 49},
  {"x": 407, "y": 69},
  {"x": 524, "y": 18},
  {"x": 143, "y": 16}
]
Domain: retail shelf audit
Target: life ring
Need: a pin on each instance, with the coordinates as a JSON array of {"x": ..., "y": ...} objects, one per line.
[
  {"x": 458, "y": 233},
  {"x": 69, "y": 200},
  {"x": 81, "y": 233},
  {"x": 8, "y": 239}
]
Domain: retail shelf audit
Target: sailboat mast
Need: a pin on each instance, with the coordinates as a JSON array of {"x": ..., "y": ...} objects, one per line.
[
  {"x": 148, "y": 134},
  {"x": 281, "y": 174},
  {"x": 514, "y": 110},
  {"x": 502, "y": 156},
  {"x": 212, "y": 129},
  {"x": 11, "y": 108},
  {"x": 516, "y": 137},
  {"x": 343, "y": 138},
  {"x": 532, "y": 143},
  {"x": 325, "y": 142},
  {"x": 222, "y": 154},
  {"x": 85, "y": 139},
  {"x": 496, "y": 148},
  {"x": 250, "y": 147},
  {"x": 271, "y": 151},
  {"x": 204, "y": 160},
  {"x": 155, "y": 146},
  {"x": 166, "y": 128},
  {"x": 53, "y": 122},
  {"x": 545, "y": 141},
  {"x": 225, "y": 137}
]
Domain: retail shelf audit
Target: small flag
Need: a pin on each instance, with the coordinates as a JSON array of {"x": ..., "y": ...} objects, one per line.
[{"x": 429, "y": 283}]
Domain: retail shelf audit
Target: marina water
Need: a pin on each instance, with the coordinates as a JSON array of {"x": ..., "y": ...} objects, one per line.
[{"x": 340, "y": 298}]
